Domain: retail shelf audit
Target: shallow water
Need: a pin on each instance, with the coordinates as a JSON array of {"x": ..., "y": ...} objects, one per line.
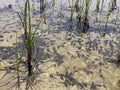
[
  {"x": 65, "y": 2},
  {"x": 91, "y": 58}
]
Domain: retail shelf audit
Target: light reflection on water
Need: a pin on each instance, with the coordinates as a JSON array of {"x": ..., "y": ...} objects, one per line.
[
  {"x": 64, "y": 2},
  {"x": 59, "y": 4}
]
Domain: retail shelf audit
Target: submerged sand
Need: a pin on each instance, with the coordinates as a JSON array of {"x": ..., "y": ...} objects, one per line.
[{"x": 66, "y": 60}]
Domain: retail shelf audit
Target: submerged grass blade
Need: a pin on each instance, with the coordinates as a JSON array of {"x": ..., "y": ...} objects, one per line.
[
  {"x": 97, "y": 6},
  {"x": 102, "y": 5},
  {"x": 17, "y": 65},
  {"x": 18, "y": 60}
]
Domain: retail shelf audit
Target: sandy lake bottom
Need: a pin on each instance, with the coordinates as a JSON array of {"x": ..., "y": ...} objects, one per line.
[{"x": 66, "y": 59}]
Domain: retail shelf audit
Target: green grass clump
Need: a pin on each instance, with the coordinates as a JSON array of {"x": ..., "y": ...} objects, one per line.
[
  {"x": 71, "y": 5},
  {"x": 42, "y": 5},
  {"x": 29, "y": 37},
  {"x": 82, "y": 17},
  {"x": 112, "y": 5},
  {"x": 85, "y": 23}
]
